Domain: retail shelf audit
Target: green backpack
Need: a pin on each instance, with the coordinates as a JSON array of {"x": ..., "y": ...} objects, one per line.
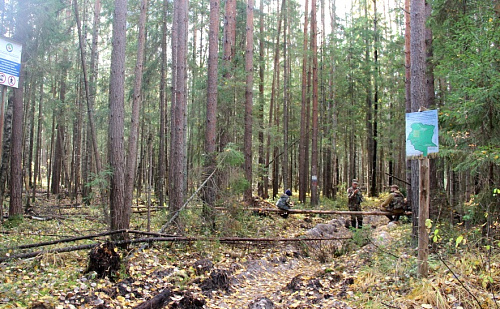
[{"x": 398, "y": 202}]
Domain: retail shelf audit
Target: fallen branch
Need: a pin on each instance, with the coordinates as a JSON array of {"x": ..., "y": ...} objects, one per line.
[
  {"x": 322, "y": 212},
  {"x": 174, "y": 216},
  {"x": 71, "y": 239},
  {"x": 172, "y": 239}
]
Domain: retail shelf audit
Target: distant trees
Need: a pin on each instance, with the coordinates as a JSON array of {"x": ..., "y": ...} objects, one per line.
[{"x": 331, "y": 99}]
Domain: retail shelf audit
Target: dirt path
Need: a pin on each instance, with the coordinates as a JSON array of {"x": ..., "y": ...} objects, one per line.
[{"x": 299, "y": 282}]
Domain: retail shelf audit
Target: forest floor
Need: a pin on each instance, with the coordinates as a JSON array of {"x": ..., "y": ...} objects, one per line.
[{"x": 375, "y": 268}]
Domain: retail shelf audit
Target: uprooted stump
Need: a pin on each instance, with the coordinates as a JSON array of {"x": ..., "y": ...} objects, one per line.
[
  {"x": 202, "y": 266},
  {"x": 261, "y": 303},
  {"x": 105, "y": 261},
  {"x": 156, "y": 302},
  {"x": 187, "y": 301},
  {"x": 218, "y": 280}
]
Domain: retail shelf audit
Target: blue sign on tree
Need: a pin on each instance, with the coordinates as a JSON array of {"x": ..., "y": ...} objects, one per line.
[{"x": 10, "y": 62}]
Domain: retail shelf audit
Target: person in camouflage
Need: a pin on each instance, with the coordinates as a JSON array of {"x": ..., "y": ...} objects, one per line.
[
  {"x": 394, "y": 204},
  {"x": 354, "y": 199},
  {"x": 284, "y": 203}
]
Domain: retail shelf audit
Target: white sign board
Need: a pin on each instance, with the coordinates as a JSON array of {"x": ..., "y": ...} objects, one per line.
[
  {"x": 422, "y": 133},
  {"x": 10, "y": 62}
]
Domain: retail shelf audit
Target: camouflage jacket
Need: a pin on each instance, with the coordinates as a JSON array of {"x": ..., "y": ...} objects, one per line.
[{"x": 354, "y": 198}]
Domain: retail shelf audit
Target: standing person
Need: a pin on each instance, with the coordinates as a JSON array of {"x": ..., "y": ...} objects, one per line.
[
  {"x": 394, "y": 203},
  {"x": 354, "y": 199},
  {"x": 284, "y": 203}
]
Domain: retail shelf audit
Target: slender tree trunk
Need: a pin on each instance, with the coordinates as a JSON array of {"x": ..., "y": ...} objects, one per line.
[
  {"x": 178, "y": 139},
  {"x": 90, "y": 94},
  {"x": 58, "y": 157},
  {"x": 303, "y": 168},
  {"x": 119, "y": 215},
  {"x": 314, "y": 139},
  {"x": 131, "y": 162},
  {"x": 373, "y": 177},
  {"x": 409, "y": 188},
  {"x": 211, "y": 121},
  {"x": 262, "y": 174},
  {"x": 286, "y": 111},
  {"x": 38, "y": 143},
  {"x": 249, "y": 101},
  {"x": 162, "y": 156},
  {"x": 226, "y": 106},
  {"x": 6, "y": 148}
]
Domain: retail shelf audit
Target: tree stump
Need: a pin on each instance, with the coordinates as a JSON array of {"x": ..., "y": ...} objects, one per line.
[{"x": 105, "y": 261}]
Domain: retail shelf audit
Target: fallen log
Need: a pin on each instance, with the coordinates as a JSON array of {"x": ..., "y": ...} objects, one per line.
[
  {"x": 172, "y": 239},
  {"x": 71, "y": 239},
  {"x": 156, "y": 302},
  {"x": 321, "y": 212}
]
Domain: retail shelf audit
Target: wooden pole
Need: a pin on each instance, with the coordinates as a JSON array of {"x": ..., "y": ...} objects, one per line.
[{"x": 423, "y": 215}]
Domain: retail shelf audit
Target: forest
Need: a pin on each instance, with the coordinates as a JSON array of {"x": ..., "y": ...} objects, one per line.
[{"x": 145, "y": 145}]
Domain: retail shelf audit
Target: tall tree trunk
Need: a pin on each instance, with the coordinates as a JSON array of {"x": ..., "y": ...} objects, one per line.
[
  {"x": 373, "y": 177},
  {"x": 57, "y": 163},
  {"x": 272, "y": 108},
  {"x": 178, "y": 139},
  {"x": 90, "y": 94},
  {"x": 211, "y": 121},
  {"x": 16, "y": 177},
  {"x": 77, "y": 142},
  {"x": 38, "y": 143},
  {"x": 418, "y": 88},
  {"x": 226, "y": 107},
  {"x": 286, "y": 111},
  {"x": 314, "y": 139},
  {"x": 162, "y": 151},
  {"x": 131, "y": 163},
  {"x": 303, "y": 168},
  {"x": 409, "y": 188},
  {"x": 119, "y": 215},
  {"x": 262, "y": 174},
  {"x": 6, "y": 148},
  {"x": 249, "y": 101}
]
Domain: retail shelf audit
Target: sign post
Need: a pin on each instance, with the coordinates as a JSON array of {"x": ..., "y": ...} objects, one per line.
[{"x": 421, "y": 140}]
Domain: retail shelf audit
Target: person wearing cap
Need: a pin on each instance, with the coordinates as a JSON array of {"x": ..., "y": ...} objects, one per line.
[
  {"x": 394, "y": 203},
  {"x": 284, "y": 203},
  {"x": 354, "y": 199}
]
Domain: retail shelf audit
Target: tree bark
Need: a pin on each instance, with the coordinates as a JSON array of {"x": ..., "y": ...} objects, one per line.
[
  {"x": 178, "y": 139},
  {"x": 162, "y": 151},
  {"x": 262, "y": 174},
  {"x": 303, "y": 168},
  {"x": 16, "y": 177},
  {"x": 211, "y": 118},
  {"x": 314, "y": 139},
  {"x": 131, "y": 163},
  {"x": 120, "y": 217},
  {"x": 248, "y": 101},
  {"x": 418, "y": 86}
]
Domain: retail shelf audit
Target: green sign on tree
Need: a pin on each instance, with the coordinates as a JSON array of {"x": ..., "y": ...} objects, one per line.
[{"x": 422, "y": 133}]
